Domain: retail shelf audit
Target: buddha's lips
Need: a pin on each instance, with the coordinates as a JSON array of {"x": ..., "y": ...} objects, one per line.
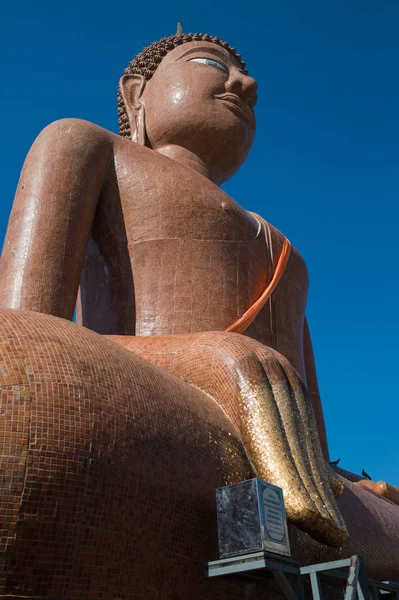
[{"x": 236, "y": 103}]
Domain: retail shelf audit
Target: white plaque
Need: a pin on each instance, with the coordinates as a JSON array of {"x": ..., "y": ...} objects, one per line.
[{"x": 273, "y": 518}]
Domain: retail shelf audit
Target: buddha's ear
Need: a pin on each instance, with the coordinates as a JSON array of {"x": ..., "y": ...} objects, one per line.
[{"x": 131, "y": 88}]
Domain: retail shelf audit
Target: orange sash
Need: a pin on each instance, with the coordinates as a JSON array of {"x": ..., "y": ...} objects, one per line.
[{"x": 242, "y": 324}]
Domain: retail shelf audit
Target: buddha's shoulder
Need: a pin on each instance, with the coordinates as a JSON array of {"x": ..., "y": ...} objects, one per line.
[
  {"x": 71, "y": 129},
  {"x": 296, "y": 260},
  {"x": 78, "y": 134},
  {"x": 83, "y": 140}
]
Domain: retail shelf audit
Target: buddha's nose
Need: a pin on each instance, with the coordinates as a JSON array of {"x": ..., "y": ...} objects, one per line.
[{"x": 243, "y": 86}]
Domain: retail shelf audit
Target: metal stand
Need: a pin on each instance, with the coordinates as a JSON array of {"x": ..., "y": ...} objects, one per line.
[
  {"x": 259, "y": 565},
  {"x": 263, "y": 565}
]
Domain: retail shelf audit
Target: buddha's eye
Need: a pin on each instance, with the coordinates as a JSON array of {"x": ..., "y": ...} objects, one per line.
[{"x": 211, "y": 63}]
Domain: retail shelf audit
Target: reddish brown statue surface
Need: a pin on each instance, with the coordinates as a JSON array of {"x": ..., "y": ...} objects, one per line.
[{"x": 113, "y": 446}]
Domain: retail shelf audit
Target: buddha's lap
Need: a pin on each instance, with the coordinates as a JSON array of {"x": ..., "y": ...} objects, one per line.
[
  {"x": 91, "y": 429},
  {"x": 90, "y": 390}
]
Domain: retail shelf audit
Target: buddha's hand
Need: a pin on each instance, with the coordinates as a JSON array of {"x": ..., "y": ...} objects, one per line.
[{"x": 267, "y": 401}]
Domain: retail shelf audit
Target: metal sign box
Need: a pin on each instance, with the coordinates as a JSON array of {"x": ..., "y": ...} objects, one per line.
[{"x": 251, "y": 518}]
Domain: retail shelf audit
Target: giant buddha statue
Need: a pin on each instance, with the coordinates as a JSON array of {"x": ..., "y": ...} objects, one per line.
[{"x": 190, "y": 365}]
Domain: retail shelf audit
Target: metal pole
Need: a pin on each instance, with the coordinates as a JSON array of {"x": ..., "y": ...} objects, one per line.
[
  {"x": 314, "y": 582},
  {"x": 351, "y": 582}
]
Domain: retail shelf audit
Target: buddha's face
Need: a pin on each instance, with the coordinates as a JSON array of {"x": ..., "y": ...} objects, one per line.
[{"x": 200, "y": 98}]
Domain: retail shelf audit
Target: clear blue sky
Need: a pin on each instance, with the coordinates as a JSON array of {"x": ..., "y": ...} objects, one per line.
[{"x": 324, "y": 168}]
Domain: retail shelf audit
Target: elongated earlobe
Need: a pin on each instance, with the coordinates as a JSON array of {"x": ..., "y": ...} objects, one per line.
[{"x": 131, "y": 88}]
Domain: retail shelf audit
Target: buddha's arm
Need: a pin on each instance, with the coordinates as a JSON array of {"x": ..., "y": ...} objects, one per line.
[
  {"x": 50, "y": 222},
  {"x": 313, "y": 389}
]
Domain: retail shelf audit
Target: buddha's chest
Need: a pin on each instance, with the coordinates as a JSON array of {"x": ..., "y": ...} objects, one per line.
[{"x": 163, "y": 200}]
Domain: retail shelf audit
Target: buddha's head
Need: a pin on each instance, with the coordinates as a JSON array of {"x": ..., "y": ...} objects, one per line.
[{"x": 191, "y": 91}]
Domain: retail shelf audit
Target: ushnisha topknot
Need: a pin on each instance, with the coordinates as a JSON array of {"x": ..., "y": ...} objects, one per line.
[{"x": 146, "y": 62}]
